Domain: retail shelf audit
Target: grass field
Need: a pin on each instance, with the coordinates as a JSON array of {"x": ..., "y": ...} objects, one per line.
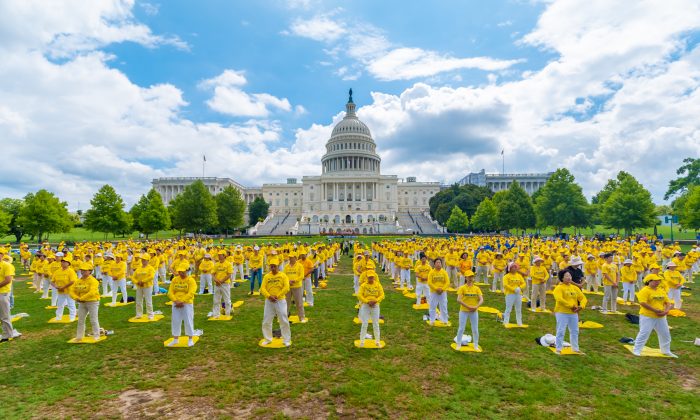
[{"x": 417, "y": 375}]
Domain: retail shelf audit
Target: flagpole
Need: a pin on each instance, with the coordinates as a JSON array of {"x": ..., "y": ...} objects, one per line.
[
  {"x": 503, "y": 157},
  {"x": 204, "y": 162}
]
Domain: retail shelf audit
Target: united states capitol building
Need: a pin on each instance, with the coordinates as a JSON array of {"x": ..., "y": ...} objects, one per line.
[{"x": 349, "y": 196}]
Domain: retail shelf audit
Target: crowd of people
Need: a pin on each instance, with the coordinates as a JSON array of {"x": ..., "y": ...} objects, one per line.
[{"x": 524, "y": 270}]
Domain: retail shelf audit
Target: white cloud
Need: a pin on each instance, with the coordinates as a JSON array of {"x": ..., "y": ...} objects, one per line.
[
  {"x": 376, "y": 54},
  {"x": 230, "y": 99}
]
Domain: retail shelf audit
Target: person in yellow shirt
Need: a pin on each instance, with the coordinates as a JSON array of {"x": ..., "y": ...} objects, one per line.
[
  {"x": 106, "y": 274},
  {"x": 86, "y": 291},
  {"x": 464, "y": 266},
  {"x": 404, "y": 265},
  {"x": 308, "y": 265},
  {"x": 539, "y": 275},
  {"x": 370, "y": 295},
  {"x": 654, "y": 305},
  {"x": 7, "y": 274},
  {"x": 181, "y": 292},
  {"x": 469, "y": 298},
  {"x": 143, "y": 281},
  {"x": 482, "y": 265},
  {"x": 422, "y": 270},
  {"x": 223, "y": 274},
  {"x": 206, "y": 267},
  {"x": 569, "y": 302},
  {"x": 255, "y": 263},
  {"x": 438, "y": 282},
  {"x": 513, "y": 284},
  {"x": 50, "y": 267},
  {"x": 673, "y": 282},
  {"x": 628, "y": 277},
  {"x": 357, "y": 268},
  {"x": 590, "y": 269},
  {"x": 63, "y": 279},
  {"x": 274, "y": 288},
  {"x": 238, "y": 258},
  {"x": 295, "y": 273},
  {"x": 611, "y": 278},
  {"x": 499, "y": 267},
  {"x": 118, "y": 274}
]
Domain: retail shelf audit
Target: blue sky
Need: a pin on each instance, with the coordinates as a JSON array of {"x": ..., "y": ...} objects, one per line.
[{"x": 124, "y": 91}]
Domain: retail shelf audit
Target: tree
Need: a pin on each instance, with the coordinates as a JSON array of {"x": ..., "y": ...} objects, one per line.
[
  {"x": 691, "y": 213},
  {"x": 257, "y": 211},
  {"x": 106, "y": 213},
  {"x": 467, "y": 197},
  {"x": 13, "y": 206},
  {"x": 43, "y": 213},
  {"x": 629, "y": 206},
  {"x": 683, "y": 183},
  {"x": 154, "y": 216},
  {"x": 515, "y": 210},
  {"x": 194, "y": 210},
  {"x": 485, "y": 218},
  {"x": 443, "y": 213},
  {"x": 230, "y": 208},
  {"x": 458, "y": 221},
  {"x": 560, "y": 203},
  {"x": 136, "y": 211},
  {"x": 5, "y": 219}
]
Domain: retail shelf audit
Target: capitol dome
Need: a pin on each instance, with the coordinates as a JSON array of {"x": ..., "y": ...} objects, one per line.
[{"x": 351, "y": 147}]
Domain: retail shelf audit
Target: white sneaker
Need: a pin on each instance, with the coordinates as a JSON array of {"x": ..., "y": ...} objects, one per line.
[
  {"x": 150, "y": 317},
  {"x": 266, "y": 342},
  {"x": 636, "y": 353},
  {"x": 95, "y": 337},
  {"x": 362, "y": 343},
  {"x": 459, "y": 346},
  {"x": 669, "y": 354},
  {"x": 378, "y": 343},
  {"x": 287, "y": 344},
  {"x": 190, "y": 343},
  {"x": 173, "y": 342}
]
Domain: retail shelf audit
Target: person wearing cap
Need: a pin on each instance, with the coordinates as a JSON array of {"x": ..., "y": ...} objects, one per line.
[
  {"x": 539, "y": 275},
  {"x": 97, "y": 263},
  {"x": 438, "y": 282},
  {"x": 223, "y": 274},
  {"x": 295, "y": 273},
  {"x": 499, "y": 267},
  {"x": 590, "y": 269},
  {"x": 50, "y": 267},
  {"x": 469, "y": 298},
  {"x": 465, "y": 266},
  {"x": 86, "y": 291},
  {"x": 255, "y": 263},
  {"x": 611, "y": 278},
  {"x": 570, "y": 301},
  {"x": 404, "y": 263},
  {"x": 181, "y": 292},
  {"x": 107, "y": 274},
  {"x": 628, "y": 277},
  {"x": 237, "y": 259},
  {"x": 37, "y": 267},
  {"x": 274, "y": 288},
  {"x": 308, "y": 265},
  {"x": 143, "y": 281},
  {"x": 370, "y": 294},
  {"x": 63, "y": 279},
  {"x": 206, "y": 267},
  {"x": 513, "y": 283},
  {"x": 673, "y": 282},
  {"x": 654, "y": 305},
  {"x": 422, "y": 270},
  {"x": 483, "y": 259},
  {"x": 7, "y": 274},
  {"x": 357, "y": 267},
  {"x": 117, "y": 272}
]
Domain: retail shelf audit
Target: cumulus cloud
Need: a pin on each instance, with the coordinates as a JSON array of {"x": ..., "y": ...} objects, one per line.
[{"x": 230, "y": 99}]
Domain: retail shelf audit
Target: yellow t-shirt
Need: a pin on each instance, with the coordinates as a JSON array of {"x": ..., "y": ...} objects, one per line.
[
  {"x": 539, "y": 274},
  {"x": 512, "y": 281},
  {"x": 295, "y": 274},
  {"x": 143, "y": 276},
  {"x": 222, "y": 271},
  {"x": 469, "y": 295},
  {"x": 657, "y": 299},
  {"x": 6, "y": 269},
  {"x": 369, "y": 292},
  {"x": 438, "y": 279},
  {"x": 182, "y": 290},
  {"x": 567, "y": 296},
  {"x": 276, "y": 285},
  {"x": 86, "y": 289},
  {"x": 611, "y": 271},
  {"x": 422, "y": 271}
]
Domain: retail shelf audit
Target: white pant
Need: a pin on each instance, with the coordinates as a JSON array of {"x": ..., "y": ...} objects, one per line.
[
  {"x": 366, "y": 313},
  {"x": 116, "y": 286},
  {"x": 205, "y": 281},
  {"x": 675, "y": 295},
  {"x": 422, "y": 289},
  {"x": 88, "y": 309},
  {"x": 308, "y": 290},
  {"x": 438, "y": 300},
  {"x": 497, "y": 281},
  {"x": 46, "y": 286},
  {"x": 646, "y": 326},
  {"x": 106, "y": 284},
  {"x": 237, "y": 269},
  {"x": 610, "y": 296},
  {"x": 6, "y": 316},
  {"x": 276, "y": 309},
  {"x": 356, "y": 283},
  {"x": 156, "y": 288},
  {"x": 144, "y": 294},
  {"x": 183, "y": 315},
  {"x": 481, "y": 271},
  {"x": 63, "y": 301},
  {"x": 222, "y": 293},
  {"x": 565, "y": 321},
  {"x": 405, "y": 277},
  {"x": 628, "y": 292},
  {"x": 514, "y": 299},
  {"x": 473, "y": 318}
]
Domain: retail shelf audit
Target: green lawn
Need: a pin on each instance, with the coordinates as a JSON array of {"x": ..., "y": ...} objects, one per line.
[
  {"x": 81, "y": 234},
  {"x": 417, "y": 375}
]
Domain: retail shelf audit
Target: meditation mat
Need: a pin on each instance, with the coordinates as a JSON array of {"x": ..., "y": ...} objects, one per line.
[
  {"x": 181, "y": 341},
  {"x": 87, "y": 340},
  {"x": 467, "y": 348},
  {"x": 593, "y": 293},
  {"x": 422, "y": 306},
  {"x": 306, "y": 305},
  {"x": 676, "y": 313},
  {"x": 566, "y": 351},
  {"x": 256, "y": 293},
  {"x": 488, "y": 310},
  {"x": 220, "y": 318},
  {"x": 237, "y": 304},
  {"x": 16, "y": 318},
  {"x": 540, "y": 311},
  {"x": 481, "y": 284},
  {"x": 50, "y": 307},
  {"x": 612, "y": 313},
  {"x": 276, "y": 343},
  {"x": 439, "y": 323},
  {"x": 401, "y": 289},
  {"x": 64, "y": 320},
  {"x": 410, "y": 295},
  {"x": 46, "y": 298},
  {"x": 515, "y": 326},
  {"x": 294, "y": 319},
  {"x": 525, "y": 300},
  {"x": 169, "y": 303},
  {"x": 647, "y": 351},
  {"x": 118, "y": 304},
  {"x": 370, "y": 344},
  {"x": 589, "y": 325},
  {"x": 356, "y": 306},
  {"x": 144, "y": 318},
  {"x": 496, "y": 291},
  {"x": 356, "y": 320},
  {"x": 549, "y": 292},
  {"x": 685, "y": 294}
]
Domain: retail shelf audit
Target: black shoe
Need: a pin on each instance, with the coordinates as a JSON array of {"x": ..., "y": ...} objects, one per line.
[{"x": 4, "y": 340}]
